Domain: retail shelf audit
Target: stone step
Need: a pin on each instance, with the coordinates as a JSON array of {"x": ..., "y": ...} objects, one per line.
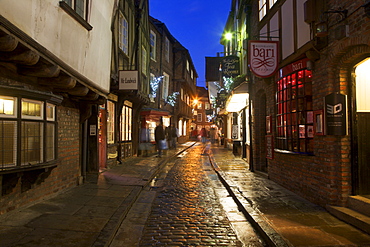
[
  {"x": 352, "y": 217},
  {"x": 360, "y": 204}
]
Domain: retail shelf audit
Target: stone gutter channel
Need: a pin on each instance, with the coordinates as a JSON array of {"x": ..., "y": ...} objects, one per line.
[{"x": 265, "y": 231}]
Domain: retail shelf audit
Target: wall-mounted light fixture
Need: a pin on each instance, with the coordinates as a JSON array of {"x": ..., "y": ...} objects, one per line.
[{"x": 322, "y": 26}]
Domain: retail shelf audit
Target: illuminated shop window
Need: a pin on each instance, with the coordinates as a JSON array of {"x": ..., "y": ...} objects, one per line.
[
  {"x": 37, "y": 132},
  {"x": 110, "y": 122},
  {"x": 126, "y": 123},
  {"x": 294, "y": 120}
]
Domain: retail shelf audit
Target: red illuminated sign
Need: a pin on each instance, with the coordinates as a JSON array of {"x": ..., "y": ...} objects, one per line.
[{"x": 263, "y": 57}]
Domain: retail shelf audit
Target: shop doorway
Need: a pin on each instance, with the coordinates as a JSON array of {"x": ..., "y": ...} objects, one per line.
[
  {"x": 362, "y": 128},
  {"x": 102, "y": 131}
]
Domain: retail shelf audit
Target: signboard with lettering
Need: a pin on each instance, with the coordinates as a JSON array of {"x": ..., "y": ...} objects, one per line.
[
  {"x": 128, "y": 79},
  {"x": 234, "y": 132},
  {"x": 293, "y": 67},
  {"x": 269, "y": 147},
  {"x": 230, "y": 66},
  {"x": 263, "y": 57},
  {"x": 336, "y": 114}
]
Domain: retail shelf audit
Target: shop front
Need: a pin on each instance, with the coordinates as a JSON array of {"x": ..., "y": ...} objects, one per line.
[{"x": 361, "y": 127}]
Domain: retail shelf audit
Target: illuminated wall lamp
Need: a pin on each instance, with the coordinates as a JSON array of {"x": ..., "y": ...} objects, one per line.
[{"x": 322, "y": 29}]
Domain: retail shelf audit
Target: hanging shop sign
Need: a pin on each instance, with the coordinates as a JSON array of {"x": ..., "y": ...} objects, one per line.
[
  {"x": 230, "y": 66},
  {"x": 263, "y": 57},
  {"x": 336, "y": 114},
  {"x": 128, "y": 79}
]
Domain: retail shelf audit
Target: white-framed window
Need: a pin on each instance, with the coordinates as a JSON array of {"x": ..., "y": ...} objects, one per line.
[
  {"x": 123, "y": 34},
  {"x": 34, "y": 125},
  {"x": 207, "y": 106},
  {"x": 144, "y": 60},
  {"x": 262, "y": 8},
  {"x": 271, "y": 3},
  {"x": 153, "y": 45},
  {"x": 200, "y": 105},
  {"x": 192, "y": 74},
  {"x": 8, "y": 106},
  {"x": 126, "y": 123},
  {"x": 167, "y": 49},
  {"x": 110, "y": 121},
  {"x": 80, "y": 6},
  {"x": 32, "y": 109},
  {"x": 165, "y": 85},
  {"x": 199, "y": 117},
  {"x": 187, "y": 65}
]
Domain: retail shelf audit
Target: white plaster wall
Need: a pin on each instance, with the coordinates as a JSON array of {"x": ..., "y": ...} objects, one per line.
[
  {"x": 287, "y": 39},
  {"x": 303, "y": 28},
  {"x": 88, "y": 52}
]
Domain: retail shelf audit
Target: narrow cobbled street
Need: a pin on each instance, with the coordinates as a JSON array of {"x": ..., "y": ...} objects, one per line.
[
  {"x": 186, "y": 205},
  {"x": 187, "y": 211}
]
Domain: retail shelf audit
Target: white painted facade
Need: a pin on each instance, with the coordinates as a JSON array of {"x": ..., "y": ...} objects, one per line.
[{"x": 87, "y": 52}]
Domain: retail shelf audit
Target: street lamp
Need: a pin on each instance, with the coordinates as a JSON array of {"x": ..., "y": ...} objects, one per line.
[{"x": 228, "y": 36}]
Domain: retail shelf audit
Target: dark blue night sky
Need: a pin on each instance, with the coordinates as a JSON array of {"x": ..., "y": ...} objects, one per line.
[{"x": 196, "y": 24}]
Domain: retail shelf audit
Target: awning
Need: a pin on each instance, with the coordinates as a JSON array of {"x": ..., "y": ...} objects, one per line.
[{"x": 238, "y": 99}]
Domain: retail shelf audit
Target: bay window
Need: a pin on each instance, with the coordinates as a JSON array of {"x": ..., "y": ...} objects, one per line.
[
  {"x": 294, "y": 118},
  {"x": 27, "y": 132}
]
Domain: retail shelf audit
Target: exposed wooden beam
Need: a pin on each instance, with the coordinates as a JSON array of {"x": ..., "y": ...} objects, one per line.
[
  {"x": 8, "y": 43},
  {"x": 40, "y": 70},
  {"x": 60, "y": 82},
  {"x": 27, "y": 57},
  {"x": 91, "y": 96},
  {"x": 78, "y": 90}
]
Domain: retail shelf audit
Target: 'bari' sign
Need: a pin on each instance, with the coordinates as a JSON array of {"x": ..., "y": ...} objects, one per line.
[{"x": 263, "y": 57}]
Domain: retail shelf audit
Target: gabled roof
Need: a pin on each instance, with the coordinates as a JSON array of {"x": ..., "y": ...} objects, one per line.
[{"x": 162, "y": 28}]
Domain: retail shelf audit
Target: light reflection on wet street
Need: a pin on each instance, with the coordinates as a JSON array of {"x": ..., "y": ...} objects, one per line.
[{"x": 187, "y": 211}]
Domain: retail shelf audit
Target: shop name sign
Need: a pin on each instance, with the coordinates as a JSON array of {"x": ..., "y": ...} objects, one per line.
[
  {"x": 263, "y": 57},
  {"x": 336, "y": 114},
  {"x": 230, "y": 66},
  {"x": 128, "y": 79}
]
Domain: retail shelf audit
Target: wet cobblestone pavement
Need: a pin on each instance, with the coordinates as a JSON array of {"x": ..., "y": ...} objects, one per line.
[{"x": 186, "y": 211}]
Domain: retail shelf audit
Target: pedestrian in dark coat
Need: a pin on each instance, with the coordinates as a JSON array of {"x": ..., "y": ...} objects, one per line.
[{"x": 159, "y": 136}]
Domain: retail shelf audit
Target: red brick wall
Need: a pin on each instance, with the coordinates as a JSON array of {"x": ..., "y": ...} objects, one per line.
[
  {"x": 64, "y": 176},
  {"x": 324, "y": 178}
]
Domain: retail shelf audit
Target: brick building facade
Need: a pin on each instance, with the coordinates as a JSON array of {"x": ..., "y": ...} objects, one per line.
[{"x": 314, "y": 110}]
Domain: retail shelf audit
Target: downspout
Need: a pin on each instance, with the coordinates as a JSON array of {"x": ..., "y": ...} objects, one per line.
[{"x": 250, "y": 82}]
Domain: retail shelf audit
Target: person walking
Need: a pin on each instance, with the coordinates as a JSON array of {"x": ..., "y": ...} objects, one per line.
[
  {"x": 174, "y": 135},
  {"x": 168, "y": 136},
  {"x": 212, "y": 135},
  {"x": 160, "y": 137},
  {"x": 203, "y": 135},
  {"x": 145, "y": 144}
]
